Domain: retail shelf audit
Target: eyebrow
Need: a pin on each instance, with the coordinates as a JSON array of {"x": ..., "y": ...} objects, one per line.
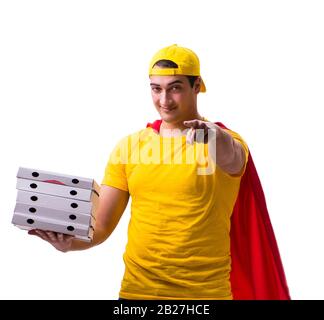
[{"x": 169, "y": 84}]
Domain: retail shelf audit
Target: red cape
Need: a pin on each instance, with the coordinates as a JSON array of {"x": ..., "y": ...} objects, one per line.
[{"x": 257, "y": 272}]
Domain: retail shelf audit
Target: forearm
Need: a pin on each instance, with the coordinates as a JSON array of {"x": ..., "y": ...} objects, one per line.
[
  {"x": 112, "y": 203},
  {"x": 230, "y": 154},
  {"x": 99, "y": 236}
]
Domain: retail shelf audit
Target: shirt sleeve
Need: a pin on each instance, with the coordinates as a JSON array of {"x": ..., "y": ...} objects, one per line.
[{"x": 115, "y": 172}]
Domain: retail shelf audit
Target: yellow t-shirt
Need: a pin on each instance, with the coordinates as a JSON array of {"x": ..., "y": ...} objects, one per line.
[{"x": 179, "y": 231}]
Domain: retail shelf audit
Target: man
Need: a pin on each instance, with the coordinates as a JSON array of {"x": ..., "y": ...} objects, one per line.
[{"x": 183, "y": 174}]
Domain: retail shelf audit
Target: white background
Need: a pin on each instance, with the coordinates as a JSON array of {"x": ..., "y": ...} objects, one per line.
[{"x": 73, "y": 81}]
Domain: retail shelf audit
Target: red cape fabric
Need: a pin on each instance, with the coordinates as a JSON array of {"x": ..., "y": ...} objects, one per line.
[{"x": 257, "y": 272}]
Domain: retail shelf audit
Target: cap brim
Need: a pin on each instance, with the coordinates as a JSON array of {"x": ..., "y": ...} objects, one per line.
[{"x": 202, "y": 86}]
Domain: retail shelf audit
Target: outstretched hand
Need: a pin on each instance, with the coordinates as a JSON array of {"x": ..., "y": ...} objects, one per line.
[
  {"x": 207, "y": 130},
  {"x": 59, "y": 241}
]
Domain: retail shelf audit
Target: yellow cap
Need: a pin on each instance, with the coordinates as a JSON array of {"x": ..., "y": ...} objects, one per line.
[{"x": 187, "y": 61}]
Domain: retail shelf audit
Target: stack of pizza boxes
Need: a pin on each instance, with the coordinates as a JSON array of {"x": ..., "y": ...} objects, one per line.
[{"x": 56, "y": 202}]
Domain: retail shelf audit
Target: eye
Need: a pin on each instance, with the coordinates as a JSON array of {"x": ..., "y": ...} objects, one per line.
[
  {"x": 156, "y": 89},
  {"x": 176, "y": 89}
]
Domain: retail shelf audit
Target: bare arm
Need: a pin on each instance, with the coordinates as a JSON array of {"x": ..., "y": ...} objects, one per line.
[
  {"x": 112, "y": 203},
  {"x": 230, "y": 153}
]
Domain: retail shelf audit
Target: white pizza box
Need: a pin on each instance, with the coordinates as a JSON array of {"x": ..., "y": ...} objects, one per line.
[
  {"x": 63, "y": 216},
  {"x": 56, "y": 190},
  {"x": 58, "y": 203},
  {"x": 59, "y": 178},
  {"x": 83, "y": 238},
  {"x": 29, "y": 221}
]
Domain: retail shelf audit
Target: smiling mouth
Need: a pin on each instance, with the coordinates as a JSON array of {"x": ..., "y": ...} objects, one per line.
[{"x": 167, "y": 109}]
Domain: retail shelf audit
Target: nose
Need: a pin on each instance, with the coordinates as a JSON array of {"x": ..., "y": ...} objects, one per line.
[{"x": 165, "y": 98}]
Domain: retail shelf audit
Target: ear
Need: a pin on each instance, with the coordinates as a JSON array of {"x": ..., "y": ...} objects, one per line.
[{"x": 197, "y": 85}]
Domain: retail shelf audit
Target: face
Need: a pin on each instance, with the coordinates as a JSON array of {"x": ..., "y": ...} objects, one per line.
[{"x": 174, "y": 98}]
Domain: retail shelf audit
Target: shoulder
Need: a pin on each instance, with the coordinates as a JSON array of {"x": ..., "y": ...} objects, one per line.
[
  {"x": 140, "y": 134},
  {"x": 235, "y": 135}
]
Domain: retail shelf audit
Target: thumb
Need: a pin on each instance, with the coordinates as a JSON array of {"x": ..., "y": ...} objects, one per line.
[{"x": 191, "y": 123}]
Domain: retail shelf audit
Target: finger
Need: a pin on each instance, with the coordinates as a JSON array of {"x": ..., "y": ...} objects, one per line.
[
  {"x": 190, "y": 136},
  {"x": 196, "y": 124},
  {"x": 32, "y": 232},
  {"x": 191, "y": 123},
  {"x": 68, "y": 238},
  {"x": 52, "y": 236},
  {"x": 60, "y": 237},
  {"x": 42, "y": 234}
]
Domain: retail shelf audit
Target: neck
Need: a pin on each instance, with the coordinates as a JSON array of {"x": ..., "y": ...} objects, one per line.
[{"x": 178, "y": 125}]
